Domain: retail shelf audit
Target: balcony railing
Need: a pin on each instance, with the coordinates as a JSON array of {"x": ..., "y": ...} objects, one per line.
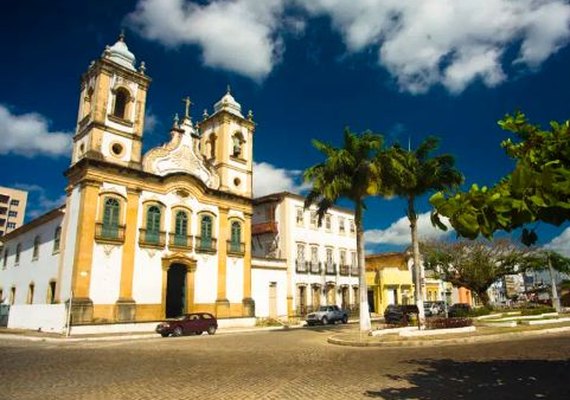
[
  {"x": 344, "y": 270},
  {"x": 236, "y": 248},
  {"x": 315, "y": 268},
  {"x": 179, "y": 241},
  {"x": 330, "y": 268},
  {"x": 152, "y": 238},
  {"x": 206, "y": 244},
  {"x": 354, "y": 270},
  {"x": 301, "y": 266},
  {"x": 106, "y": 233}
]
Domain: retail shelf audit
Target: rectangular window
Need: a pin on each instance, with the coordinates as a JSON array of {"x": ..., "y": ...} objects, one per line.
[
  {"x": 328, "y": 222},
  {"x": 3, "y": 210},
  {"x": 343, "y": 257},
  {"x": 301, "y": 252},
  {"x": 4, "y": 199},
  {"x": 15, "y": 203},
  {"x": 314, "y": 255},
  {"x": 300, "y": 217},
  {"x": 11, "y": 225},
  {"x": 2, "y": 221},
  {"x": 341, "y": 225},
  {"x": 314, "y": 219},
  {"x": 5, "y": 261},
  {"x": 353, "y": 262},
  {"x": 352, "y": 227},
  {"x": 12, "y": 213}
]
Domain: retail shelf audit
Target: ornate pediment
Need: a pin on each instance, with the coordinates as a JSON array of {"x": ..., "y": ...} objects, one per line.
[{"x": 180, "y": 155}]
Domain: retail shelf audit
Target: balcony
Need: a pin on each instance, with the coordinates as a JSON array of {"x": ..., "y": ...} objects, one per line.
[
  {"x": 109, "y": 234},
  {"x": 330, "y": 268},
  {"x": 236, "y": 249},
  {"x": 264, "y": 227},
  {"x": 344, "y": 270},
  {"x": 206, "y": 244},
  {"x": 155, "y": 239},
  {"x": 354, "y": 270},
  {"x": 315, "y": 268},
  {"x": 301, "y": 266},
  {"x": 182, "y": 242}
]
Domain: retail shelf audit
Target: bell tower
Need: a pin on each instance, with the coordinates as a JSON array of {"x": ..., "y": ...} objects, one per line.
[
  {"x": 110, "y": 120},
  {"x": 227, "y": 143}
]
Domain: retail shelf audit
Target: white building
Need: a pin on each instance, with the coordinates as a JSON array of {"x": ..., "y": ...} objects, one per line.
[{"x": 318, "y": 263}]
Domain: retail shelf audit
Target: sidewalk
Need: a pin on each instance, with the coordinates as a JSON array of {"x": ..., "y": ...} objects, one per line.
[{"x": 482, "y": 334}]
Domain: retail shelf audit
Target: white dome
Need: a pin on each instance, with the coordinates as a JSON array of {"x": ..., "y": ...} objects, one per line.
[
  {"x": 119, "y": 53},
  {"x": 229, "y": 104}
]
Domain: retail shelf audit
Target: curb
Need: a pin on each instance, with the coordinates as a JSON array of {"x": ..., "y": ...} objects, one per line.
[{"x": 439, "y": 342}]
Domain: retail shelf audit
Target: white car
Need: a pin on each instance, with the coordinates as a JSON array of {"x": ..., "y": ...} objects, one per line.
[{"x": 327, "y": 314}]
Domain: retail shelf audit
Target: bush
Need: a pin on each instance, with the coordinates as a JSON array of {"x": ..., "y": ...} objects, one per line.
[
  {"x": 537, "y": 310},
  {"x": 444, "y": 323},
  {"x": 477, "y": 312}
]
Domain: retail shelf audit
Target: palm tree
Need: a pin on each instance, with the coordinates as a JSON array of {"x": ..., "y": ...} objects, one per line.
[
  {"x": 348, "y": 172},
  {"x": 410, "y": 174}
]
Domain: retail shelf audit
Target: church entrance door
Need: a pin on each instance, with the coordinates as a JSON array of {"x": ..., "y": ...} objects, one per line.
[{"x": 176, "y": 291}]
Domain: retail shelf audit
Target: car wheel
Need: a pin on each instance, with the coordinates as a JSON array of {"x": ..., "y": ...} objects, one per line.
[
  {"x": 325, "y": 320},
  {"x": 344, "y": 319},
  {"x": 177, "y": 331},
  {"x": 164, "y": 334},
  {"x": 211, "y": 330},
  {"x": 198, "y": 333}
]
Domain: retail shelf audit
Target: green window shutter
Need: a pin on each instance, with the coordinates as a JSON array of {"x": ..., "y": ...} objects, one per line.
[
  {"x": 152, "y": 224},
  {"x": 206, "y": 231},
  {"x": 181, "y": 229},
  {"x": 111, "y": 218},
  {"x": 235, "y": 237}
]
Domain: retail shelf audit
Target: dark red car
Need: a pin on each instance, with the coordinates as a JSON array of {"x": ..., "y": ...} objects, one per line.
[{"x": 195, "y": 323}]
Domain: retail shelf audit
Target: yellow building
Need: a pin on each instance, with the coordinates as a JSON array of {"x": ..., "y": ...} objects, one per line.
[{"x": 389, "y": 281}]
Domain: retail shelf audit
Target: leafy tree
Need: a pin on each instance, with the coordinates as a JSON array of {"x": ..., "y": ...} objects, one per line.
[
  {"x": 475, "y": 264},
  {"x": 552, "y": 261},
  {"x": 538, "y": 189},
  {"x": 410, "y": 174},
  {"x": 348, "y": 172}
]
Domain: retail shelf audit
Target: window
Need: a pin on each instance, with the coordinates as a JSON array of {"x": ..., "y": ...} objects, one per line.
[
  {"x": 56, "y": 239},
  {"x": 329, "y": 256},
  {"x": 11, "y": 225},
  {"x": 30, "y": 299},
  {"x": 36, "y": 251},
  {"x": 12, "y": 295},
  {"x": 111, "y": 211},
  {"x": 152, "y": 225},
  {"x": 314, "y": 219},
  {"x": 352, "y": 227},
  {"x": 121, "y": 99},
  {"x": 328, "y": 222},
  {"x": 235, "y": 243},
  {"x": 181, "y": 229},
  {"x": 237, "y": 142},
  {"x": 6, "y": 253},
  {"x": 51, "y": 293},
  {"x": 300, "y": 252},
  {"x": 353, "y": 261},
  {"x": 12, "y": 213},
  {"x": 206, "y": 232},
  {"x": 2, "y": 221},
  {"x": 341, "y": 225},
  {"x": 3, "y": 210},
  {"x": 314, "y": 255},
  {"x": 18, "y": 251},
  {"x": 4, "y": 198},
  {"x": 212, "y": 146},
  {"x": 343, "y": 257},
  {"x": 300, "y": 216},
  {"x": 1, "y": 296},
  {"x": 15, "y": 202}
]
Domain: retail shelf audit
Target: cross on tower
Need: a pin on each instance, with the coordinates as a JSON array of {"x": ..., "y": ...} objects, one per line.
[{"x": 187, "y": 104}]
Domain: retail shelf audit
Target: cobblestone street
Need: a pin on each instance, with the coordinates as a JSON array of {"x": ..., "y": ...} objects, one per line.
[{"x": 294, "y": 364}]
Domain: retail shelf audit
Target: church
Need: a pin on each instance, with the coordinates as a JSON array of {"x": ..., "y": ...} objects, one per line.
[{"x": 141, "y": 237}]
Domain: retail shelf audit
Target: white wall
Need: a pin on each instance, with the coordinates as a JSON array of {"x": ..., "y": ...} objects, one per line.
[
  {"x": 47, "y": 317},
  {"x": 263, "y": 273}
]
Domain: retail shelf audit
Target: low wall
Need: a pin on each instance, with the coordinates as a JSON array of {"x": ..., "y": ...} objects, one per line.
[
  {"x": 433, "y": 332},
  {"x": 44, "y": 317}
]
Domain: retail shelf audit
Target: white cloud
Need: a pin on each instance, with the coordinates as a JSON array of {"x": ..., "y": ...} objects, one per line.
[
  {"x": 561, "y": 243},
  {"x": 449, "y": 42},
  {"x": 151, "y": 121},
  {"x": 239, "y": 36},
  {"x": 29, "y": 135},
  {"x": 38, "y": 200},
  {"x": 399, "y": 232},
  {"x": 269, "y": 179}
]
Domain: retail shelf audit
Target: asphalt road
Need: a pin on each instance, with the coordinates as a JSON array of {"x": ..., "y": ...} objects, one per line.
[{"x": 295, "y": 364}]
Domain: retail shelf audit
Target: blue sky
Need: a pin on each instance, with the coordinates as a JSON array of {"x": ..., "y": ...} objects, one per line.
[{"x": 403, "y": 68}]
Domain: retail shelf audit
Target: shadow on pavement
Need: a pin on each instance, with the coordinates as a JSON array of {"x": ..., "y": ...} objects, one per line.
[{"x": 510, "y": 379}]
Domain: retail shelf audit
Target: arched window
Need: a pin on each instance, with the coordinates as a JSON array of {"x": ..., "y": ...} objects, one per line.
[
  {"x": 31, "y": 293},
  {"x": 111, "y": 211},
  {"x": 206, "y": 231},
  {"x": 18, "y": 251},
  {"x": 36, "y": 252},
  {"x": 121, "y": 99},
  {"x": 51, "y": 292},
  {"x": 235, "y": 242},
  {"x": 181, "y": 229},
  {"x": 56, "y": 239},
  {"x": 237, "y": 141},
  {"x": 212, "y": 147},
  {"x": 153, "y": 225}
]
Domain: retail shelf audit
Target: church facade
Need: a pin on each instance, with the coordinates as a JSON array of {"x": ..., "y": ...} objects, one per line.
[{"x": 142, "y": 237}]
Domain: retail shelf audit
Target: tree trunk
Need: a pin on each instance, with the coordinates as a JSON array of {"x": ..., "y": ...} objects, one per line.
[
  {"x": 483, "y": 297},
  {"x": 365, "y": 324},
  {"x": 417, "y": 264},
  {"x": 555, "y": 298}
]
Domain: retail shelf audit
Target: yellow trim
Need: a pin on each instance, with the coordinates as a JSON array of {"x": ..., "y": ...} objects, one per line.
[
  {"x": 129, "y": 246},
  {"x": 190, "y": 265},
  {"x": 246, "y": 237},
  {"x": 222, "y": 252},
  {"x": 83, "y": 258}
]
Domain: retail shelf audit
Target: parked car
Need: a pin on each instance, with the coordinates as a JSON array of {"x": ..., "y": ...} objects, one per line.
[
  {"x": 397, "y": 314},
  {"x": 327, "y": 314},
  {"x": 432, "y": 308},
  {"x": 195, "y": 323},
  {"x": 459, "y": 310}
]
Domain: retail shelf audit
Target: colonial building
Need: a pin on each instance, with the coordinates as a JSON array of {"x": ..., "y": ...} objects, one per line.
[
  {"x": 12, "y": 209},
  {"x": 141, "y": 237},
  {"x": 320, "y": 261}
]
